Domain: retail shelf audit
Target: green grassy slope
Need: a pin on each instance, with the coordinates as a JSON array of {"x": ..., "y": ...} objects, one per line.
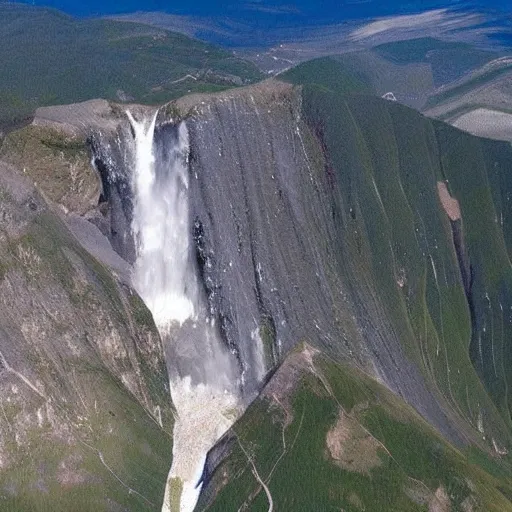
[
  {"x": 342, "y": 77},
  {"x": 336, "y": 439},
  {"x": 367, "y": 72},
  {"x": 452, "y": 321},
  {"x": 388, "y": 160},
  {"x": 472, "y": 83},
  {"x": 448, "y": 60},
  {"x": 50, "y": 58},
  {"x": 412, "y": 70}
]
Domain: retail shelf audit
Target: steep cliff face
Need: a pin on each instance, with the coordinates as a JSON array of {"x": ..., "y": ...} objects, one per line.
[
  {"x": 263, "y": 232},
  {"x": 86, "y": 418},
  {"x": 281, "y": 248}
]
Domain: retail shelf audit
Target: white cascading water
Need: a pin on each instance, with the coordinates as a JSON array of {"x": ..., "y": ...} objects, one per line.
[
  {"x": 160, "y": 227},
  {"x": 163, "y": 277}
]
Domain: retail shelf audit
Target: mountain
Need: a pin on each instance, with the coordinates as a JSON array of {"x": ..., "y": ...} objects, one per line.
[
  {"x": 86, "y": 412},
  {"x": 362, "y": 229},
  {"x": 418, "y": 298},
  {"x": 290, "y": 295},
  {"x": 323, "y": 436}
]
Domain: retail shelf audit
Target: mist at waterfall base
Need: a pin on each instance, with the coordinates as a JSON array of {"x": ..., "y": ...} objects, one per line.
[{"x": 204, "y": 379}]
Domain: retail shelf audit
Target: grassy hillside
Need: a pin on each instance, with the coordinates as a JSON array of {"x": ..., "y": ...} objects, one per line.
[
  {"x": 325, "y": 436},
  {"x": 486, "y": 88},
  {"x": 479, "y": 80},
  {"x": 330, "y": 73},
  {"x": 50, "y": 58},
  {"x": 448, "y": 60},
  {"x": 366, "y": 72},
  {"x": 411, "y": 69},
  {"x": 444, "y": 284},
  {"x": 451, "y": 307}
]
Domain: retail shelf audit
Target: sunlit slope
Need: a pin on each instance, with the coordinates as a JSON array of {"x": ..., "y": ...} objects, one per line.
[
  {"x": 368, "y": 72},
  {"x": 86, "y": 416},
  {"x": 326, "y": 437},
  {"x": 485, "y": 87}
]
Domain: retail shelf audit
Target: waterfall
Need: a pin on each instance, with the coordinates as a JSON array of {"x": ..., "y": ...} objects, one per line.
[
  {"x": 160, "y": 227},
  {"x": 204, "y": 379}
]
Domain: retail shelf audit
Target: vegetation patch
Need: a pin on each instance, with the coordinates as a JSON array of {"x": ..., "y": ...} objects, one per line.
[
  {"x": 330, "y": 74},
  {"x": 377, "y": 455},
  {"x": 103, "y": 58},
  {"x": 57, "y": 162},
  {"x": 448, "y": 60},
  {"x": 267, "y": 333},
  {"x": 175, "y": 491},
  {"x": 140, "y": 311}
]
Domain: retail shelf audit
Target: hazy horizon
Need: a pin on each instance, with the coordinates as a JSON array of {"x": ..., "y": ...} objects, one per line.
[{"x": 282, "y": 12}]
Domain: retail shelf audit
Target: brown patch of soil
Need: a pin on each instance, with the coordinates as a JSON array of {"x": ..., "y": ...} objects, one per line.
[
  {"x": 450, "y": 205},
  {"x": 355, "y": 500},
  {"x": 440, "y": 502},
  {"x": 69, "y": 472},
  {"x": 351, "y": 446}
]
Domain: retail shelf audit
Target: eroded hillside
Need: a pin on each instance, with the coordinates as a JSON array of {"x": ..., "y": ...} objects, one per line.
[{"x": 324, "y": 436}]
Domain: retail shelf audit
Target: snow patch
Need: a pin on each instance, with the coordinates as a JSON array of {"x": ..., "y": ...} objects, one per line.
[{"x": 204, "y": 415}]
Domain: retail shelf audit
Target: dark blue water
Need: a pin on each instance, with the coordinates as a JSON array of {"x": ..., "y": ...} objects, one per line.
[{"x": 270, "y": 12}]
